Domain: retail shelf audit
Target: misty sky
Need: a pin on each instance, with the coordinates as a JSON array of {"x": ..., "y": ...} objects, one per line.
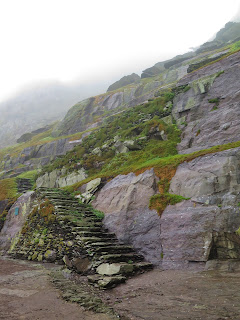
[{"x": 95, "y": 40}]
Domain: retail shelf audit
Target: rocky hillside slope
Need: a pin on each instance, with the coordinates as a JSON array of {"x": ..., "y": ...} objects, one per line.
[
  {"x": 38, "y": 106},
  {"x": 162, "y": 162}
]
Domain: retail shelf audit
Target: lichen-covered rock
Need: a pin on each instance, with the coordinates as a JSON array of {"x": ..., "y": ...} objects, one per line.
[
  {"x": 125, "y": 200},
  {"x": 15, "y": 220},
  {"x": 59, "y": 178},
  {"x": 89, "y": 189},
  {"x": 50, "y": 255}
]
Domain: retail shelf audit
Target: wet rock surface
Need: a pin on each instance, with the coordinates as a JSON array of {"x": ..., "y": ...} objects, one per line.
[
  {"x": 203, "y": 122},
  {"x": 125, "y": 200},
  {"x": 204, "y": 227},
  {"x": 15, "y": 219}
]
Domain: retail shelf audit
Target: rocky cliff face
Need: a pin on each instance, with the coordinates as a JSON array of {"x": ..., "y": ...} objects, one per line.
[
  {"x": 205, "y": 226},
  {"x": 208, "y": 113},
  {"x": 37, "y": 156},
  {"x": 190, "y": 233},
  {"x": 91, "y": 112}
]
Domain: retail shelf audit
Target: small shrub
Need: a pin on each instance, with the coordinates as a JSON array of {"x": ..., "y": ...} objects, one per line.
[
  {"x": 215, "y": 100},
  {"x": 186, "y": 88}
]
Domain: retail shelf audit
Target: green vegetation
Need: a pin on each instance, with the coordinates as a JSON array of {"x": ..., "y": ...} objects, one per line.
[
  {"x": 39, "y": 139},
  {"x": 164, "y": 168},
  {"x": 29, "y": 175},
  {"x": 8, "y": 189},
  {"x": 215, "y": 100},
  {"x": 160, "y": 201},
  {"x": 235, "y": 47},
  {"x": 219, "y": 73},
  {"x": 138, "y": 124},
  {"x": 186, "y": 88}
]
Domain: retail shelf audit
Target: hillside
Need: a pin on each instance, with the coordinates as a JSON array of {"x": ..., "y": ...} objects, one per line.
[
  {"x": 144, "y": 176},
  {"x": 38, "y": 106}
]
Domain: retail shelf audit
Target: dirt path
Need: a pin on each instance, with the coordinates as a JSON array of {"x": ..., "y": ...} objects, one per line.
[
  {"x": 183, "y": 295},
  {"x": 26, "y": 292}
]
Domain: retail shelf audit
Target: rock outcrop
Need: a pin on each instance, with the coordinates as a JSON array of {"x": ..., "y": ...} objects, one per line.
[
  {"x": 60, "y": 178},
  {"x": 125, "y": 201},
  {"x": 204, "y": 227},
  {"x": 15, "y": 220},
  {"x": 39, "y": 155},
  {"x": 208, "y": 113}
]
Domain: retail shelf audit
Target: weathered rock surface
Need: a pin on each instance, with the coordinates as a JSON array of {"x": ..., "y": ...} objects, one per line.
[
  {"x": 14, "y": 223},
  {"x": 58, "y": 179},
  {"x": 40, "y": 155},
  {"x": 89, "y": 189},
  {"x": 203, "y": 228},
  {"x": 125, "y": 200},
  {"x": 206, "y": 124}
]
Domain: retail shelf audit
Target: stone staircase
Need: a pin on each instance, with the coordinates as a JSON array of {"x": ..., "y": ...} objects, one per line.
[
  {"x": 111, "y": 262},
  {"x": 24, "y": 185}
]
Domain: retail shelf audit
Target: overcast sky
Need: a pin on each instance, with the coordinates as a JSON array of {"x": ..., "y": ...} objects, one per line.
[{"x": 94, "y": 40}]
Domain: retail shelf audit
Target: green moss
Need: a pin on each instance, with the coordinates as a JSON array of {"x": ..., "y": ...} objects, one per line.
[
  {"x": 160, "y": 201},
  {"x": 238, "y": 231},
  {"x": 186, "y": 88},
  {"x": 215, "y": 100},
  {"x": 29, "y": 175}
]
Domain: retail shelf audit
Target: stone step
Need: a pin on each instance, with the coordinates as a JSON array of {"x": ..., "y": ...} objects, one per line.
[
  {"x": 83, "y": 223},
  {"x": 98, "y": 234},
  {"x": 89, "y": 228},
  {"x": 55, "y": 195},
  {"x": 66, "y": 205},
  {"x": 94, "y": 245},
  {"x": 112, "y": 249},
  {"x": 89, "y": 240},
  {"x": 89, "y": 220},
  {"x": 124, "y": 269},
  {"x": 106, "y": 282},
  {"x": 124, "y": 257}
]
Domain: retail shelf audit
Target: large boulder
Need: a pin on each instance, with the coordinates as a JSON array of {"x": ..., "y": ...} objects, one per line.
[
  {"x": 204, "y": 227},
  {"x": 125, "y": 200},
  {"x": 15, "y": 220}
]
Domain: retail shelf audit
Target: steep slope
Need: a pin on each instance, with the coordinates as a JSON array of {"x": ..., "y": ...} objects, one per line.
[
  {"x": 37, "y": 106},
  {"x": 124, "y": 81},
  {"x": 165, "y": 171}
]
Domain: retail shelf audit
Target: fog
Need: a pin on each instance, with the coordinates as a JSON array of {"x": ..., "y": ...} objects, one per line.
[{"x": 86, "y": 42}]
